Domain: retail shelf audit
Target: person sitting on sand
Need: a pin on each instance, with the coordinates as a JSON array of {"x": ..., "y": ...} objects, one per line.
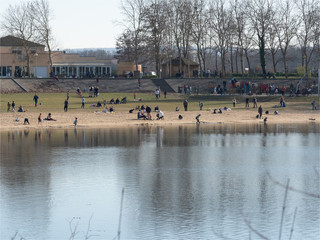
[
  {"x": 112, "y": 101},
  {"x": 111, "y": 109},
  {"x": 160, "y": 115},
  {"x": 49, "y": 118},
  {"x": 20, "y": 109},
  {"x": 99, "y": 104},
  {"x": 220, "y": 110},
  {"x": 105, "y": 110},
  {"x": 215, "y": 111},
  {"x": 177, "y": 109},
  {"x": 141, "y": 115},
  {"x": 117, "y": 101}
]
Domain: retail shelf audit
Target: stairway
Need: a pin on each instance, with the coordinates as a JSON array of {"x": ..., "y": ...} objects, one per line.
[
  {"x": 25, "y": 90},
  {"x": 164, "y": 86}
]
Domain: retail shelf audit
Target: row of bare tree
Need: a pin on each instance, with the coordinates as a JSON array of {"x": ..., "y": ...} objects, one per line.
[
  {"x": 220, "y": 31},
  {"x": 30, "y": 21}
]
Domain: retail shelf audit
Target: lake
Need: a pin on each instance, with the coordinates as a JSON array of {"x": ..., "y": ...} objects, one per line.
[{"x": 182, "y": 182}]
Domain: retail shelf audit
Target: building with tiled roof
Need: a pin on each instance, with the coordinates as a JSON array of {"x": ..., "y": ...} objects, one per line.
[{"x": 13, "y": 62}]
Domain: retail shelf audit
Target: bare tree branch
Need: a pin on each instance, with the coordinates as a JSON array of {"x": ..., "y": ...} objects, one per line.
[
  {"x": 293, "y": 189},
  {"x": 254, "y": 230}
]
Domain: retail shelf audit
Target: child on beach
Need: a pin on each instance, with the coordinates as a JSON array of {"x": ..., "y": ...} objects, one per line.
[
  {"x": 314, "y": 106},
  {"x": 75, "y": 122},
  {"x": 234, "y": 101},
  {"x": 197, "y": 118},
  {"x": 39, "y": 118}
]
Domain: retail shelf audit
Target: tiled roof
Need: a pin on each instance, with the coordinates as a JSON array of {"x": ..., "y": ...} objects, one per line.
[{"x": 11, "y": 41}]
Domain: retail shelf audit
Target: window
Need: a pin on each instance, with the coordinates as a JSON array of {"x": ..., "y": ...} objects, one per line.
[{"x": 17, "y": 51}]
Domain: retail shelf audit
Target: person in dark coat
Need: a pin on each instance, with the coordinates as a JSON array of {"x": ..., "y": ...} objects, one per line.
[
  {"x": 185, "y": 105},
  {"x": 260, "y": 111},
  {"x": 66, "y": 103},
  {"x": 148, "y": 110}
]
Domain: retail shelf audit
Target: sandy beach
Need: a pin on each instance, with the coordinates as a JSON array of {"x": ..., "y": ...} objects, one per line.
[{"x": 15, "y": 120}]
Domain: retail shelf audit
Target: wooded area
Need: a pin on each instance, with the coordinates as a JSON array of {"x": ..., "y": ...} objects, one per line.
[{"x": 227, "y": 36}]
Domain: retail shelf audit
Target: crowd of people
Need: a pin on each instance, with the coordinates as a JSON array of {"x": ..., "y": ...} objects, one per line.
[{"x": 145, "y": 112}]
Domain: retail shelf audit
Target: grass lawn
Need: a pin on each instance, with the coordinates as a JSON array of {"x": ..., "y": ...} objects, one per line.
[{"x": 51, "y": 102}]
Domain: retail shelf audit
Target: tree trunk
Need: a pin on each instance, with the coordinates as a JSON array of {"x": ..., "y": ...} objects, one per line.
[
  {"x": 199, "y": 59},
  {"x": 248, "y": 61},
  {"x": 284, "y": 60},
  {"x": 241, "y": 61},
  {"x": 231, "y": 58},
  {"x": 274, "y": 61},
  {"x": 262, "y": 55},
  {"x": 216, "y": 56},
  {"x": 237, "y": 54},
  {"x": 28, "y": 65}
]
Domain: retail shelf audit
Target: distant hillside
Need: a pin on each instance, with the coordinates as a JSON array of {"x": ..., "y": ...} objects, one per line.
[{"x": 79, "y": 50}]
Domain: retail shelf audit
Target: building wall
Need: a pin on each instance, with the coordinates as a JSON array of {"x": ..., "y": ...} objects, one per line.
[
  {"x": 13, "y": 60},
  {"x": 76, "y": 66},
  {"x": 125, "y": 67},
  {"x": 175, "y": 70}
]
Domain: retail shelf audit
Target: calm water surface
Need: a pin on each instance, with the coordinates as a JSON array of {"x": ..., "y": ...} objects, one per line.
[{"x": 179, "y": 182}]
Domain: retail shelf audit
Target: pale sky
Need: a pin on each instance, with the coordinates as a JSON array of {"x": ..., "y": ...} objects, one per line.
[{"x": 81, "y": 24}]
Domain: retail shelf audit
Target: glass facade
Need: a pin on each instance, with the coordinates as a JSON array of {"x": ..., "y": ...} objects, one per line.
[{"x": 82, "y": 71}]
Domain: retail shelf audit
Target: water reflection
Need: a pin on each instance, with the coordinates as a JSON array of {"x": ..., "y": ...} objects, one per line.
[
  {"x": 191, "y": 182},
  {"x": 130, "y": 137}
]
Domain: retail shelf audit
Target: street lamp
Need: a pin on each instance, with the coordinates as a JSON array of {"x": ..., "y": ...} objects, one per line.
[
  {"x": 170, "y": 56},
  {"x": 36, "y": 72}
]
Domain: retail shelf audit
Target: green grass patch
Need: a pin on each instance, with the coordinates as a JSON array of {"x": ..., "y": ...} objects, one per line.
[{"x": 50, "y": 102}]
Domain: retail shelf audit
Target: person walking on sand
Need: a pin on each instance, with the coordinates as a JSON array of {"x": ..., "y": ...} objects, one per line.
[
  {"x": 66, "y": 103},
  {"x": 260, "y": 111},
  {"x": 35, "y": 99},
  {"x": 83, "y": 102},
  {"x": 75, "y": 122}
]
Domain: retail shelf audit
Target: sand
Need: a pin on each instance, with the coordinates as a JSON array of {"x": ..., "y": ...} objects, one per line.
[{"x": 14, "y": 120}]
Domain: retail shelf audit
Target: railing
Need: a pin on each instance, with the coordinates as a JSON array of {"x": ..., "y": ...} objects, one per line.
[{"x": 19, "y": 85}]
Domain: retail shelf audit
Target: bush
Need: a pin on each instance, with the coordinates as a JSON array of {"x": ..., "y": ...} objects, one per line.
[{"x": 148, "y": 76}]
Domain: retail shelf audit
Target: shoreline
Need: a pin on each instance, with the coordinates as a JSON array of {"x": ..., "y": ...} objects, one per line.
[{"x": 123, "y": 119}]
